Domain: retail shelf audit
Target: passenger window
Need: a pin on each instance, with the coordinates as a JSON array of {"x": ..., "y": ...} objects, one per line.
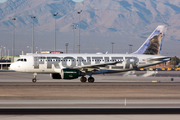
[{"x": 25, "y": 60}]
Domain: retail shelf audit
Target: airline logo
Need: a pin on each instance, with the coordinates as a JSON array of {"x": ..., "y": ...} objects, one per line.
[
  {"x": 70, "y": 62},
  {"x": 153, "y": 45}
]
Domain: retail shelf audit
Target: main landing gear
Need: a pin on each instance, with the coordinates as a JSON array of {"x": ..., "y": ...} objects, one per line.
[
  {"x": 34, "y": 80},
  {"x": 84, "y": 79}
]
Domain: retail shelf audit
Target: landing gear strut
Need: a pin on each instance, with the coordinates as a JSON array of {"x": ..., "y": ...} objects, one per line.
[{"x": 34, "y": 80}]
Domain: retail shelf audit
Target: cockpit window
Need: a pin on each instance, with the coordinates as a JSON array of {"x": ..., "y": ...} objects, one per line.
[{"x": 24, "y": 60}]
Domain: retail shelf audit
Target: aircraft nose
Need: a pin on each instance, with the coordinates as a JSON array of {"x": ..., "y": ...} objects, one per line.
[{"x": 12, "y": 66}]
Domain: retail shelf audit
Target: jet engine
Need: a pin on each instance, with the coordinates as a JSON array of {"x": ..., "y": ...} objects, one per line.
[
  {"x": 66, "y": 74},
  {"x": 70, "y": 73},
  {"x": 55, "y": 76}
]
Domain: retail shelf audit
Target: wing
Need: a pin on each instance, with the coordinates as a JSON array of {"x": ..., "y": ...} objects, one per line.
[{"x": 95, "y": 67}]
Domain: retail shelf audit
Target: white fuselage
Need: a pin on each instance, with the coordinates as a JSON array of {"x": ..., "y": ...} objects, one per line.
[{"x": 53, "y": 63}]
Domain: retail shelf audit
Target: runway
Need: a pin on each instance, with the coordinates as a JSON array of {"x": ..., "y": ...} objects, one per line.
[
  {"x": 91, "y": 117},
  {"x": 162, "y": 76},
  {"x": 89, "y": 104},
  {"x": 109, "y": 92},
  {"x": 18, "y": 86}
]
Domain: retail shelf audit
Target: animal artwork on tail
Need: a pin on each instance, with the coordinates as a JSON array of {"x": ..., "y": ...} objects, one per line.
[{"x": 154, "y": 46}]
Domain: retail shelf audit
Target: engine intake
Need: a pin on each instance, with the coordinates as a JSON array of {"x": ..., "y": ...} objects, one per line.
[{"x": 55, "y": 76}]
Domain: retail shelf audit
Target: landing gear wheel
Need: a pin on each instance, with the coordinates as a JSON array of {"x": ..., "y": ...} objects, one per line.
[
  {"x": 34, "y": 80},
  {"x": 83, "y": 79},
  {"x": 90, "y": 79}
]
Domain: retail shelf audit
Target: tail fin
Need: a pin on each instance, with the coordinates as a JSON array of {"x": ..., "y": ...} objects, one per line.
[{"x": 153, "y": 44}]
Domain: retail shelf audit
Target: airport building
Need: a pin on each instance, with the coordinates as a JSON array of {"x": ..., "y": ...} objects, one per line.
[{"x": 57, "y": 52}]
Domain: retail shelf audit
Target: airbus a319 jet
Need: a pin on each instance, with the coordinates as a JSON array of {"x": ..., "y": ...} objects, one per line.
[{"x": 72, "y": 66}]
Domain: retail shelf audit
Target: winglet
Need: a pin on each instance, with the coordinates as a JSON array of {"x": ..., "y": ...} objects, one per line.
[{"x": 153, "y": 44}]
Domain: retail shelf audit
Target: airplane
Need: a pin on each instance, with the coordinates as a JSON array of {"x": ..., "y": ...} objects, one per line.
[{"x": 72, "y": 66}]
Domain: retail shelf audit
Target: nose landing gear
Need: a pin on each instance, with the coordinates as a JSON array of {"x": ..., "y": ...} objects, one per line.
[{"x": 34, "y": 80}]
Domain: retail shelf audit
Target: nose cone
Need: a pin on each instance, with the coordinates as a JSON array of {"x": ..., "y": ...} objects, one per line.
[{"x": 12, "y": 66}]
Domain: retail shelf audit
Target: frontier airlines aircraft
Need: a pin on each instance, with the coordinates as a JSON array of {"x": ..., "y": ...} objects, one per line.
[{"x": 72, "y": 66}]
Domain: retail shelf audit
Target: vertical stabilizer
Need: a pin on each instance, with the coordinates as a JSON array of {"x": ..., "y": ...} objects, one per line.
[{"x": 153, "y": 44}]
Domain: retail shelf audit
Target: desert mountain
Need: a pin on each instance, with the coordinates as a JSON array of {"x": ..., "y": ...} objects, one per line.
[{"x": 102, "y": 22}]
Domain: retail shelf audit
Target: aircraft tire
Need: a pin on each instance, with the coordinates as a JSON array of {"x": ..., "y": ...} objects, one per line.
[
  {"x": 83, "y": 79},
  {"x": 34, "y": 80},
  {"x": 91, "y": 80}
]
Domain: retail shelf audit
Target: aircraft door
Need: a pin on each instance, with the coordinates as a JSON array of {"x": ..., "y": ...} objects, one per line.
[
  {"x": 135, "y": 62},
  {"x": 40, "y": 63},
  {"x": 43, "y": 63},
  {"x": 131, "y": 62}
]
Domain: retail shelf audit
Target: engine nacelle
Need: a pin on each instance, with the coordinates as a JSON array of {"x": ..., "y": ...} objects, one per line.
[
  {"x": 55, "y": 76},
  {"x": 70, "y": 73}
]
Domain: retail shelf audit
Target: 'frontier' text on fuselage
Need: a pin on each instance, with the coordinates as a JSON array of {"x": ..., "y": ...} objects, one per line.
[{"x": 79, "y": 61}]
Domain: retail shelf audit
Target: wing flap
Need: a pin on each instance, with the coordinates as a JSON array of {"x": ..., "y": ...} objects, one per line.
[{"x": 160, "y": 59}]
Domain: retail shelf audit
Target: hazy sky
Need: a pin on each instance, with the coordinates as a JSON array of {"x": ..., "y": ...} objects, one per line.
[
  {"x": 77, "y": 0},
  {"x": 1, "y": 1}
]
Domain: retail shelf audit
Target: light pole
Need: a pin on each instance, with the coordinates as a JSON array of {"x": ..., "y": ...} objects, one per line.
[
  {"x": 130, "y": 48},
  {"x": 112, "y": 46},
  {"x": 0, "y": 53},
  {"x": 13, "y": 37},
  {"x": 29, "y": 47},
  {"x": 5, "y": 52},
  {"x": 66, "y": 47},
  {"x": 79, "y": 28},
  {"x": 33, "y": 34},
  {"x": 37, "y": 50},
  {"x": 55, "y": 33},
  {"x": 73, "y": 27},
  {"x": 8, "y": 54}
]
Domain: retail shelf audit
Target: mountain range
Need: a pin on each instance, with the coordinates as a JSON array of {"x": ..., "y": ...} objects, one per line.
[{"x": 123, "y": 22}]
